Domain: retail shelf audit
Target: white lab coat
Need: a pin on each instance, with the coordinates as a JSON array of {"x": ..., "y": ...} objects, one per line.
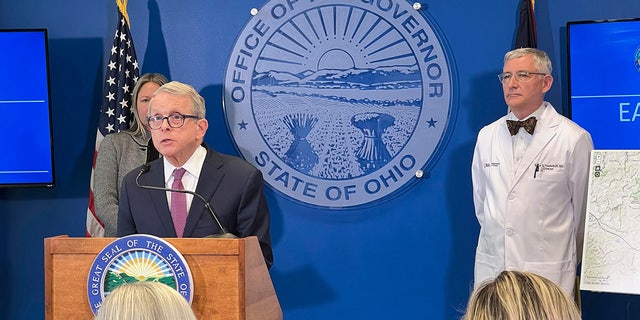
[{"x": 531, "y": 220}]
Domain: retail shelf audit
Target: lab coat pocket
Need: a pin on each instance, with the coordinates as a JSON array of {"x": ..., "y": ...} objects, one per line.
[
  {"x": 487, "y": 266},
  {"x": 487, "y": 259},
  {"x": 561, "y": 266},
  {"x": 562, "y": 273},
  {"x": 550, "y": 173}
]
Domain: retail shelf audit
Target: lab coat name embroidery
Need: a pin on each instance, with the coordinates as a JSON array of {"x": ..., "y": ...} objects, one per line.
[{"x": 551, "y": 167}]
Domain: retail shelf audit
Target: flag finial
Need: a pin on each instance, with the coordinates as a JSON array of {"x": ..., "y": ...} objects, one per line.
[{"x": 122, "y": 6}]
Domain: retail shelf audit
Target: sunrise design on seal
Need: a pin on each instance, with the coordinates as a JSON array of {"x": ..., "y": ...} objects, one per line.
[
  {"x": 137, "y": 258},
  {"x": 137, "y": 266}
]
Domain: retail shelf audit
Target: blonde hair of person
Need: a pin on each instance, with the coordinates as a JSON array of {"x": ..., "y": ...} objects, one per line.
[
  {"x": 518, "y": 295},
  {"x": 136, "y": 127},
  {"x": 145, "y": 301}
]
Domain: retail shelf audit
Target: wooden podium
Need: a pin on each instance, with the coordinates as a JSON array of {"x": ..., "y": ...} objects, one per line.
[{"x": 230, "y": 277}]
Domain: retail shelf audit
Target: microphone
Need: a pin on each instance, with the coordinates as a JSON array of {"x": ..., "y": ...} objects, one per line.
[{"x": 223, "y": 233}]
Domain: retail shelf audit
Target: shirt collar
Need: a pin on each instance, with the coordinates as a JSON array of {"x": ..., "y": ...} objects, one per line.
[
  {"x": 193, "y": 166},
  {"x": 536, "y": 113}
]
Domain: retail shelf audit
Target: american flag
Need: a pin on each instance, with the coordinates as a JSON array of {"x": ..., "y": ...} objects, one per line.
[
  {"x": 526, "y": 36},
  {"x": 115, "y": 114}
]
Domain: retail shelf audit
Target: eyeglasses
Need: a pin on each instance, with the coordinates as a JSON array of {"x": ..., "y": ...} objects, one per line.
[
  {"x": 175, "y": 120},
  {"x": 521, "y": 76}
]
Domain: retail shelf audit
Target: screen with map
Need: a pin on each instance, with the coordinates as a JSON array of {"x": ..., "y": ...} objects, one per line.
[
  {"x": 611, "y": 258},
  {"x": 604, "y": 98}
]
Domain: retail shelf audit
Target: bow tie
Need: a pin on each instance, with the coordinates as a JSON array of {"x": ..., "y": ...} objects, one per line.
[{"x": 529, "y": 125}]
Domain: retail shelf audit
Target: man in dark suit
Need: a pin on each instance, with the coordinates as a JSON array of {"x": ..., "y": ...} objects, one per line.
[{"x": 232, "y": 186}]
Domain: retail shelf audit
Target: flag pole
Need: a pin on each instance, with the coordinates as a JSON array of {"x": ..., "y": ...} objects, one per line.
[{"x": 121, "y": 75}]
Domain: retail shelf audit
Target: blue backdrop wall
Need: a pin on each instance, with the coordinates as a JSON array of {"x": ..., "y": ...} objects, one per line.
[{"x": 408, "y": 258}]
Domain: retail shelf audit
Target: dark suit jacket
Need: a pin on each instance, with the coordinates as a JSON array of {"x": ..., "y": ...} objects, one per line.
[{"x": 233, "y": 187}]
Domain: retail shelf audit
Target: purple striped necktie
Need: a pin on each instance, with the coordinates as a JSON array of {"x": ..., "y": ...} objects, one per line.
[{"x": 178, "y": 202}]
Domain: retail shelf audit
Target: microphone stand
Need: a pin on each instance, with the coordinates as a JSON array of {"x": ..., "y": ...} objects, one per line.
[{"x": 223, "y": 231}]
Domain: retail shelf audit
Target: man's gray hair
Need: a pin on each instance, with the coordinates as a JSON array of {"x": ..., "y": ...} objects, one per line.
[
  {"x": 181, "y": 89},
  {"x": 540, "y": 58}
]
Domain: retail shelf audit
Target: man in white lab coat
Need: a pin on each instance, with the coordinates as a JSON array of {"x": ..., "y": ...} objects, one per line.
[{"x": 529, "y": 187}]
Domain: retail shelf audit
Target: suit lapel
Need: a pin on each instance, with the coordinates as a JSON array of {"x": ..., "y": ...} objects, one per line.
[{"x": 208, "y": 182}]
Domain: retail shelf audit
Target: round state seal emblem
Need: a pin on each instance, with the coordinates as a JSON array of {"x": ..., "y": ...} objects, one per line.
[
  {"x": 340, "y": 103},
  {"x": 137, "y": 258}
]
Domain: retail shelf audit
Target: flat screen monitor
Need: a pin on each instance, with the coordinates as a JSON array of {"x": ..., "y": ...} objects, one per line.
[
  {"x": 26, "y": 135},
  {"x": 604, "y": 80}
]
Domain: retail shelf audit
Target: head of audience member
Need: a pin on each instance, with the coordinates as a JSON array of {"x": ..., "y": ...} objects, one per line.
[
  {"x": 145, "y": 301},
  {"x": 146, "y": 85},
  {"x": 517, "y": 295},
  {"x": 526, "y": 77},
  {"x": 181, "y": 134}
]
